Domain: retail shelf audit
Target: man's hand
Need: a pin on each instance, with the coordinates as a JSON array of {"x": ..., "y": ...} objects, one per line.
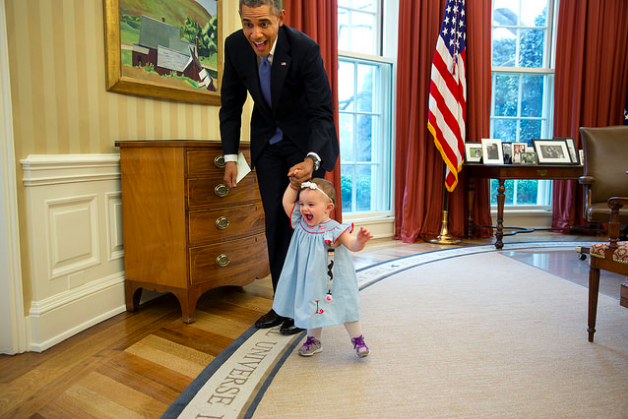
[
  {"x": 301, "y": 172},
  {"x": 231, "y": 174}
]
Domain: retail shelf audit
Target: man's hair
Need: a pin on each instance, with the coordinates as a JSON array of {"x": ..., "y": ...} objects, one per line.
[
  {"x": 326, "y": 187},
  {"x": 275, "y": 5}
]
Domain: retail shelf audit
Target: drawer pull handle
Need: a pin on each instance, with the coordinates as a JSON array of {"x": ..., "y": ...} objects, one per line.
[
  {"x": 219, "y": 161},
  {"x": 541, "y": 172},
  {"x": 222, "y": 260},
  {"x": 221, "y": 190},
  {"x": 222, "y": 222}
]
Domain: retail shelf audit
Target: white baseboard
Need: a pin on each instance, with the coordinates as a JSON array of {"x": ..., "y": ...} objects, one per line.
[{"x": 66, "y": 314}]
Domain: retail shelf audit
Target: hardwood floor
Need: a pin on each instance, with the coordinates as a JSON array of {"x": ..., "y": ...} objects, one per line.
[{"x": 136, "y": 364}]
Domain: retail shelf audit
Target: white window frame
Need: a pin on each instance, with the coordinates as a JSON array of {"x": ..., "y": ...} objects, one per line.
[
  {"x": 547, "y": 120},
  {"x": 381, "y": 224}
]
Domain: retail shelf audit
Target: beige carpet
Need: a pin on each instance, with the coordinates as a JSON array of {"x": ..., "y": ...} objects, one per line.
[{"x": 477, "y": 336}]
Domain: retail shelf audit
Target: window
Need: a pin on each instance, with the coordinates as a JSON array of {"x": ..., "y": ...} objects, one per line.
[
  {"x": 365, "y": 107},
  {"x": 523, "y": 85}
]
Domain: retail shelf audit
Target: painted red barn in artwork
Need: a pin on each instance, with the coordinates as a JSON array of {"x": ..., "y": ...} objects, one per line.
[{"x": 161, "y": 45}]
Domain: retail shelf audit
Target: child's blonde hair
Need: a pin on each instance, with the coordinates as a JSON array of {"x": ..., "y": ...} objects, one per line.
[{"x": 326, "y": 187}]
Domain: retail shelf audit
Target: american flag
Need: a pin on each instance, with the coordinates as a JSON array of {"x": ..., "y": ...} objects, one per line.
[{"x": 448, "y": 91}]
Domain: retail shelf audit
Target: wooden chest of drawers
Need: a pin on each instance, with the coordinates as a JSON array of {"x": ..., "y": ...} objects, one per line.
[{"x": 185, "y": 231}]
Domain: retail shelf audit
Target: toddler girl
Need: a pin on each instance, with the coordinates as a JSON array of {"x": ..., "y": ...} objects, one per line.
[{"x": 318, "y": 286}]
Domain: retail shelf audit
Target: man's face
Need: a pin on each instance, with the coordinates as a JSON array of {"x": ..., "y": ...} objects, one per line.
[{"x": 261, "y": 27}]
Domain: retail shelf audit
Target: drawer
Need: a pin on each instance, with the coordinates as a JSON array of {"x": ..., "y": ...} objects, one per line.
[
  {"x": 235, "y": 262},
  {"x": 225, "y": 223},
  {"x": 213, "y": 192},
  {"x": 209, "y": 161}
]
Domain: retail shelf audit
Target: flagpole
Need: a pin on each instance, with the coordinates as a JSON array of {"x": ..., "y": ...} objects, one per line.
[{"x": 444, "y": 237}]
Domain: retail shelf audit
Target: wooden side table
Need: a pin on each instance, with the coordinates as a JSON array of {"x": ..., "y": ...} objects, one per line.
[
  {"x": 185, "y": 231},
  {"x": 511, "y": 171}
]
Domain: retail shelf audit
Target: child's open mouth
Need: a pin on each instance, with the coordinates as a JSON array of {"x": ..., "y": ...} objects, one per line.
[{"x": 309, "y": 217}]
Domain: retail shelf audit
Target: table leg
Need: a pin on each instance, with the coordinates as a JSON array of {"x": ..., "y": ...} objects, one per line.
[
  {"x": 470, "y": 198},
  {"x": 501, "y": 198}
]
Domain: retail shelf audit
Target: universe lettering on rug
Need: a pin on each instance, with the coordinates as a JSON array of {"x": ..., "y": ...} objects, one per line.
[{"x": 229, "y": 389}]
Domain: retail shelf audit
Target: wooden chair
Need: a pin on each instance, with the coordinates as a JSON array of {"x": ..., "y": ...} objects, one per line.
[
  {"x": 605, "y": 159},
  {"x": 611, "y": 256}
]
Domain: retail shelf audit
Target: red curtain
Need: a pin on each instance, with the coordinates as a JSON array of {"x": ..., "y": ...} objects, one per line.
[
  {"x": 319, "y": 20},
  {"x": 590, "y": 83},
  {"x": 419, "y": 169}
]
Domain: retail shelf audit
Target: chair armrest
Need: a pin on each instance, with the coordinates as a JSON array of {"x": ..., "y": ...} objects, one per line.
[
  {"x": 586, "y": 180},
  {"x": 615, "y": 203}
]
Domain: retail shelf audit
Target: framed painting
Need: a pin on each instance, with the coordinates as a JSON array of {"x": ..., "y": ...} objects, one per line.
[{"x": 169, "y": 50}]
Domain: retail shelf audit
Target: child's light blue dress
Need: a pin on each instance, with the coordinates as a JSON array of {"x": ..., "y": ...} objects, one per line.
[{"x": 302, "y": 286}]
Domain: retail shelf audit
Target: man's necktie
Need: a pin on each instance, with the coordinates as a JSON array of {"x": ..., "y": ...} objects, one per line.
[{"x": 264, "y": 80}]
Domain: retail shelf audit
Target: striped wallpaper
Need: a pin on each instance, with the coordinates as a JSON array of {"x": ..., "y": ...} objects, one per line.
[{"x": 60, "y": 104}]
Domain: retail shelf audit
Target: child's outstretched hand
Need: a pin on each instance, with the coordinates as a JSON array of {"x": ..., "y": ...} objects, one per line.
[
  {"x": 364, "y": 235},
  {"x": 295, "y": 183}
]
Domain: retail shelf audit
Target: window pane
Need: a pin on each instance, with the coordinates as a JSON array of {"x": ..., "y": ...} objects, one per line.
[
  {"x": 366, "y": 102},
  {"x": 532, "y": 48},
  {"x": 505, "y": 130},
  {"x": 504, "y": 47},
  {"x": 532, "y": 94},
  {"x": 346, "y": 92},
  {"x": 506, "y": 12},
  {"x": 363, "y": 188},
  {"x": 364, "y": 5},
  {"x": 346, "y": 185},
  {"x": 346, "y": 137},
  {"x": 344, "y": 30},
  {"x": 364, "y": 138},
  {"x": 534, "y": 13},
  {"x": 527, "y": 192},
  {"x": 506, "y": 95},
  {"x": 508, "y": 192},
  {"x": 363, "y": 31},
  {"x": 530, "y": 129}
]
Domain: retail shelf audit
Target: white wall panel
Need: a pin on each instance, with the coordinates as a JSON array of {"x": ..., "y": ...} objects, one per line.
[{"x": 73, "y": 205}]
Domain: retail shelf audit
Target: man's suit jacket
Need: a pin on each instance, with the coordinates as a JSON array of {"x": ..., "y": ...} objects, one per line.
[{"x": 301, "y": 97}]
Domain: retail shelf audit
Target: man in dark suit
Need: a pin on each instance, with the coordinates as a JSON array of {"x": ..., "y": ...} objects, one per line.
[{"x": 293, "y": 129}]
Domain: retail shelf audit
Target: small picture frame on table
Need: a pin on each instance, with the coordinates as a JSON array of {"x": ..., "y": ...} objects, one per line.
[
  {"x": 473, "y": 152},
  {"x": 492, "y": 152},
  {"x": 552, "y": 151},
  {"x": 528, "y": 157},
  {"x": 517, "y": 149},
  {"x": 571, "y": 146},
  {"x": 507, "y": 149},
  {"x": 581, "y": 155}
]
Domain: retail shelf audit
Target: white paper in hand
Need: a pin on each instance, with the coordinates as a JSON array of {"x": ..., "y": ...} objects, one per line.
[{"x": 243, "y": 167}]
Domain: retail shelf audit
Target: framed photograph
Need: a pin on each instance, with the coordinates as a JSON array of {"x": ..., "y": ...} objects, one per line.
[
  {"x": 473, "y": 152},
  {"x": 517, "y": 149},
  {"x": 528, "y": 157},
  {"x": 492, "y": 152},
  {"x": 507, "y": 150},
  {"x": 571, "y": 146},
  {"x": 169, "y": 50},
  {"x": 581, "y": 155},
  {"x": 552, "y": 151}
]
